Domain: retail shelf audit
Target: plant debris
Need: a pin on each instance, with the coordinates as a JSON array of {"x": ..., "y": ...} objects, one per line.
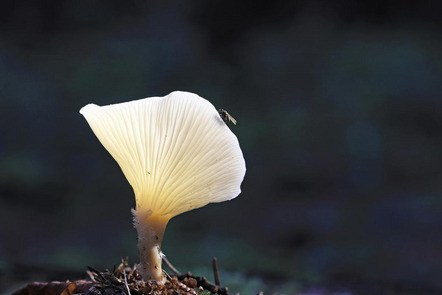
[
  {"x": 56, "y": 288},
  {"x": 124, "y": 280}
]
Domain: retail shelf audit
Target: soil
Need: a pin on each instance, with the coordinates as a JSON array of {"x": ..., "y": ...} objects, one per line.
[{"x": 124, "y": 280}]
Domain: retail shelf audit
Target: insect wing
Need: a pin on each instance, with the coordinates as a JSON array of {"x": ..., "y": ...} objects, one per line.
[{"x": 226, "y": 116}]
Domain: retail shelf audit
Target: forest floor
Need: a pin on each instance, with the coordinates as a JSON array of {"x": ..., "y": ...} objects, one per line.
[{"x": 123, "y": 280}]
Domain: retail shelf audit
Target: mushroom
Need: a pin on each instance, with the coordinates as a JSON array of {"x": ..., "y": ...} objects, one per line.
[{"x": 177, "y": 154}]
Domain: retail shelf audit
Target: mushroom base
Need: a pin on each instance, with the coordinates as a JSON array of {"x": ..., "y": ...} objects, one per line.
[{"x": 150, "y": 229}]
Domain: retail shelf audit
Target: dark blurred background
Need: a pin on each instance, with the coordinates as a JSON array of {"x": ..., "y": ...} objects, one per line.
[{"x": 339, "y": 117}]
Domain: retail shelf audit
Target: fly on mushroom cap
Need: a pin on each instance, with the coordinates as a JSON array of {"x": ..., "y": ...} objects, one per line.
[{"x": 177, "y": 154}]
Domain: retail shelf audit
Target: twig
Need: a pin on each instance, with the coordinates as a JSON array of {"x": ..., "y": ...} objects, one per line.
[
  {"x": 167, "y": 275},
  {"x": 203, "y": 282},
  {"x": 98, "y": 274},
  {"x": 215, "y": 271},
  {"x": 91, "y": 275},
  {"x": 172, "y": 268},
  {"x": 125, "y": 282}
]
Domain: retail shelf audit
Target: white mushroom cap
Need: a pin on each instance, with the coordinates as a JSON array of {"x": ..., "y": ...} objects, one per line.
[{"x": 175, "y": 151}]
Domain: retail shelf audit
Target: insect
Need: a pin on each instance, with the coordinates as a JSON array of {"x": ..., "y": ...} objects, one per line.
[{"x": 226, "y": 116}]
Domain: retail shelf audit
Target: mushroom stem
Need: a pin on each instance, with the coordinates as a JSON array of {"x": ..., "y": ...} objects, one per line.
[{"x": 150, "y": 228}]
